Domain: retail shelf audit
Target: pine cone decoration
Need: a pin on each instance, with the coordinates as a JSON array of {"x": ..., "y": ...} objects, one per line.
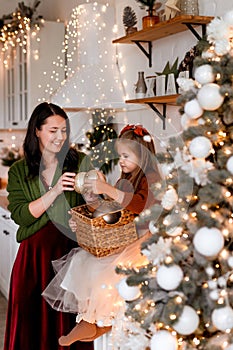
[{"x": 129, "y": 17}]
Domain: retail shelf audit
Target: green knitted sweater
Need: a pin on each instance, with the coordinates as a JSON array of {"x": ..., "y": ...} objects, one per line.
[{"x": 22, "y": 192}]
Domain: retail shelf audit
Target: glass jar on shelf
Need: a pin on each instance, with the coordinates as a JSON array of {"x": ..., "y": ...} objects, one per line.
[{"x": 189, "y": 7}]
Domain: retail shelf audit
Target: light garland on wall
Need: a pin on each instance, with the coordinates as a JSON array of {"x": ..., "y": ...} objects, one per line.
[
  {"x": 15, "y": 28},
  {"x": 90, "y": 60}
]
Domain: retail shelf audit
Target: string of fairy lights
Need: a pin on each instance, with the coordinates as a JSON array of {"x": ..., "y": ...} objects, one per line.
[{"x": 67, "y": 60}]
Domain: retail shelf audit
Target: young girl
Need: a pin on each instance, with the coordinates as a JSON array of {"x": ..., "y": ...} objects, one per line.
[{"x": 95, "y": 299}]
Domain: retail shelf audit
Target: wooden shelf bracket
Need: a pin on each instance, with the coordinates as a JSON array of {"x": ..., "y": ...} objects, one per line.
[
  {"x": 195, "y": 33},
  {"x": 162, "y": 116},
  {"x": 147, "y": 53}
]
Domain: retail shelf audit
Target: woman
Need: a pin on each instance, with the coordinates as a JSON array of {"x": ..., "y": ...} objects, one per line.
[{"x": 41, "y": 192}]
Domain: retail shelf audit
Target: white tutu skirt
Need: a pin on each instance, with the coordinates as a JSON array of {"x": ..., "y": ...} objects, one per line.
[{"x": 87, "y": 285}]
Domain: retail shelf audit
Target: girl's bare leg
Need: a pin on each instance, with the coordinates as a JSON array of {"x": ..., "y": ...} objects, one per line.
[{"x": 82, "y": 330}]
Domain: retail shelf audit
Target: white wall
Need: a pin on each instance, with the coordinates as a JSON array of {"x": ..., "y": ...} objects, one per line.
[{"x": 132, "y": 58}]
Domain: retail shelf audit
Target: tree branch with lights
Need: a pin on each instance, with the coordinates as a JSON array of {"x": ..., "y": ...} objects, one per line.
[
  {"x": 101, "y": 139},
  {"x": 183, "y": 298}
]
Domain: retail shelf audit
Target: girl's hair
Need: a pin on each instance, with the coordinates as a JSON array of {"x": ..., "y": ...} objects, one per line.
[
  {"x": 139, "y": 140},
  {"x": 31, "y": 147}
]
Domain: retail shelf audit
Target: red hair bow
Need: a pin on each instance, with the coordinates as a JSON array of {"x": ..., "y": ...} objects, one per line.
[{"x": 137, "y": 130}]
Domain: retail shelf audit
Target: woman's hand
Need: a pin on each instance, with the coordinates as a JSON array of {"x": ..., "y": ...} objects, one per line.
[
  {"x": 73, "y": 225},
  {"x": 65, "y": 183}
]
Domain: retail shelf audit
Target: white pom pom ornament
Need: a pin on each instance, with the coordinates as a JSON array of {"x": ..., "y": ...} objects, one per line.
[
  {"x": 200, "y": 147},
  {"x": 204, "y": 74},
  {"x": 127, "y": 292},
  {"x": 209, "y": 97},
  {"x": 228, "y": 17},
  {"x": 222, "y": 318},
  {"x": 193, "y": 109},
  {"x": 163, "y": 340},
  {"x": 229, "y": 165},
  {"x": 187, "y": 322},
  {"x": 169, "y": 277},
  {"x": 208, "y": 241}
]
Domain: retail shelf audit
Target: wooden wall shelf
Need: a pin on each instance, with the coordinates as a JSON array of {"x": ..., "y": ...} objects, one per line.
[
  {"x": 158, "y": 100},
  {"x": 168, "y": 99},
  {"x": 163, "y": 29}
]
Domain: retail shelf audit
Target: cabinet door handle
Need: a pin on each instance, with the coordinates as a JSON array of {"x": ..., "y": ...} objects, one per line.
[
  {"x": 4, "y": 216},
  {"x": 6, "y": 232}
]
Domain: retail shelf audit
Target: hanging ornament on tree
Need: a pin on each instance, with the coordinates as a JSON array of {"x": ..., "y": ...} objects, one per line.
[
  {"x": 187, "y": 322},
  {"x": 169, "y": 277},
  {"x": 229, "y": 165},
  {"x": 202, "y": 240},
  {"x": 127, "y": 292},
  {"x": 209, "y": 97},
  {"x": 200, "y": 147},
  {"x": 222, "y": 318},
  {"x": 204, "y": 74},
  {"x": 193, "y": 109},
  {"x": 163, "y": 340},
  {"x": 228, "y": 18}
]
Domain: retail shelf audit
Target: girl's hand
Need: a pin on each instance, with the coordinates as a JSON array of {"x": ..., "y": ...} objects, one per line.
[
  {"x": 95, "y": 186},
  {"x": 65, "y": 183}
]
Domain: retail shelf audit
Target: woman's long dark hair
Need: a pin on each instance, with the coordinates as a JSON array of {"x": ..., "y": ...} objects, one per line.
[{"x": 31, "y": 147}]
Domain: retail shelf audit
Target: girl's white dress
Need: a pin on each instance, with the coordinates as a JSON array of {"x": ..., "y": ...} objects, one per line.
[{"x": 87, "y": 285}]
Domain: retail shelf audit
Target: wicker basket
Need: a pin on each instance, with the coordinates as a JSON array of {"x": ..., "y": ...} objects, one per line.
[{"x": 102, "y": 239}]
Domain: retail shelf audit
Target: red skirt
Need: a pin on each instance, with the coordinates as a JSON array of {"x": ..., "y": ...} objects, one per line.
[{"x": 32, "y": 324}]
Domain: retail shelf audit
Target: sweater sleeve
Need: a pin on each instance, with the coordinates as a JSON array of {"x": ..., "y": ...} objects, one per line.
[
  {"x": 143, "y": 198},
  {"x": 18, "y": 197}
]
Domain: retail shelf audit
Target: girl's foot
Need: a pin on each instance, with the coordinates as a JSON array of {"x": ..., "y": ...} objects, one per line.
[
  {"x": 80, "y": 331},
  {"x": 99, "y": 331}
]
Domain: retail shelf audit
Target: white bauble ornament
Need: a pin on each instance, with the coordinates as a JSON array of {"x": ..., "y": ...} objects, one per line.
[
  {"x": 169, "y": 277},
  {"x": 200, "y": 147},
  {"x": 204, "y": 74},
  {"x": 152, "y": 228},
  {"x": 222, "y": 318},
  {"x": 214, "y": 294},
  {"x": 174, "y": 231},
  {"x": 127, "y": 292},
  {"x": 228, "y": 17},
  {"x": 193, "y": 109},
  {"x": 163, "y": 340},
  {"x": 208, "y": 241},
  {"x": 230, "y": 347},
  {"x": 187, "y": 322},
  {"x": 229, "y": 165},
  {"x": 209, "y": 97},
  {"x": 230, "y": 261}
]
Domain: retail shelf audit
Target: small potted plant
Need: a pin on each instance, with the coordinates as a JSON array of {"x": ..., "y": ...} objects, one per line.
[{"x": 151, "y": 7}]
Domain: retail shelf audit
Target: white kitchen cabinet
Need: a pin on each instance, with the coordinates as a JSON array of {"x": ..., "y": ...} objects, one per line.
[
  {"x": 102, "y": 343},
  {"x": 31, "y": 72},
  {"x": 8, "y": 249}
]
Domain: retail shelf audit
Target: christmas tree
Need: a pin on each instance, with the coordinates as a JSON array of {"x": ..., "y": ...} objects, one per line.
[
  {"x": 182, "y": 298},
  {"x": 102, "y": 139}
]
